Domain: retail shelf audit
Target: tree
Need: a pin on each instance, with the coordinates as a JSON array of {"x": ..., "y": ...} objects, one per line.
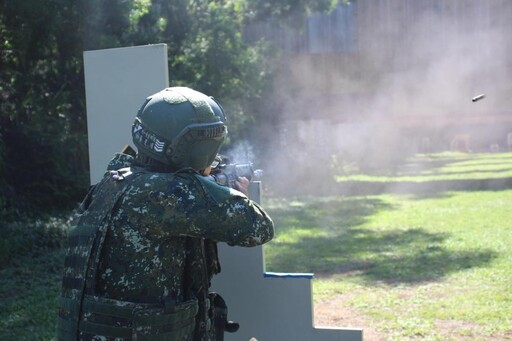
[
  {"x": 43, "y": 145},
  {"x": 41, "y": 127}
]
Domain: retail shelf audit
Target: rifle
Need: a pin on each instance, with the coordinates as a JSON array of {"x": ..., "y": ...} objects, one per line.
[
  {"x": 226, "y": 174},
  {"x": 223, "y": 172}
]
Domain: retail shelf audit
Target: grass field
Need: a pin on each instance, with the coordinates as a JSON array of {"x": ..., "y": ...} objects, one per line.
[
  {"x": 418, "y": 252},
  {"x": 31, "y": 267},
  {"x": 411, "y": 264}
]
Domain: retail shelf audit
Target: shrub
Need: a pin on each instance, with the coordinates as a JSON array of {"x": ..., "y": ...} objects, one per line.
[{"x": 32, "y": 239}]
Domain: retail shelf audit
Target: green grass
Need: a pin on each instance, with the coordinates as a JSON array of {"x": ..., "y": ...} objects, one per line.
[
  {"x": 442, "y": 166},
  {"x": 431, "y": 266},
  {"x": 30, "y": 275}
]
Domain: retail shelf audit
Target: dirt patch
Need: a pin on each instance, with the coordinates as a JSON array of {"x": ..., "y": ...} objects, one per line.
[
  {"x": 460, "y": 330},
  {"x": 333, "y": 313}
]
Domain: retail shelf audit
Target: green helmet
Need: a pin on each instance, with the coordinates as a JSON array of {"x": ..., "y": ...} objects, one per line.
[{"x": 180, "y": 127}]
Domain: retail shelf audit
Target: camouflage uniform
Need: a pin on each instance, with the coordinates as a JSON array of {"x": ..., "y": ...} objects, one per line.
[{"x": 157, "y": 250}]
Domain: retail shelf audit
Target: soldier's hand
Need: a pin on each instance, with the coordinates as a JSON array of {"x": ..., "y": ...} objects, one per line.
[{"x": 242, "y": 185}]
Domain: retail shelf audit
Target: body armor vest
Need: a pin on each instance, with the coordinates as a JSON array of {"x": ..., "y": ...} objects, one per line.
[{"x": 81, "y": 313}]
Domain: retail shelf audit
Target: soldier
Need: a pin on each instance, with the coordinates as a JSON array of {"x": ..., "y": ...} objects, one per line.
[{"x": 143, "y": 248}]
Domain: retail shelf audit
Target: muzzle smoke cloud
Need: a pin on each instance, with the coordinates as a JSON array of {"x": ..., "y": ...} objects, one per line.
[{"x": 405, "y": 86}]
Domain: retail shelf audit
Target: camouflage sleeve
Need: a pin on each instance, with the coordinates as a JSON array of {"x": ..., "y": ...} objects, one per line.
[
  {"x": 237, "y": 221},
  {"x": 231, "y": 217},
  {"x": 185, "y": 206}
]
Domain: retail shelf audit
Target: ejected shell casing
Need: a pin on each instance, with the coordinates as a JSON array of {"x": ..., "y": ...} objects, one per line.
[{"x": 477, "y": 98}]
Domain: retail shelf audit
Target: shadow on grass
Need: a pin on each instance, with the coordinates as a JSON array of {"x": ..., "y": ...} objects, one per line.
[
  {"x": 433, "y": 163},
  {"x": 433, "y": 188},
  {"x": 421, "y": 189},
  {"x": 339, "y": 246},
  {"x": 470, "y": 177},
  {"x": 491, "y": 172},
  {"x": 487, "y": 159},
  {"x": 326, "y": 211}
]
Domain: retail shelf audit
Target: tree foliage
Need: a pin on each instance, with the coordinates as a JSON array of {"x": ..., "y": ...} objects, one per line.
[
  {"x": 43, "y": 131},
  {"x": 42, "y": 126}
]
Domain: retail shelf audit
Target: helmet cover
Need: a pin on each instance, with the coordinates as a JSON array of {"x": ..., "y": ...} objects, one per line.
[{"x": 180, "y": 127}]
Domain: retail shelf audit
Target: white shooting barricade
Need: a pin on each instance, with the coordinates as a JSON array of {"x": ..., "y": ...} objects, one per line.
[
  {"x": 116, "y": 83},
  {"x": 268, "y": 306}
]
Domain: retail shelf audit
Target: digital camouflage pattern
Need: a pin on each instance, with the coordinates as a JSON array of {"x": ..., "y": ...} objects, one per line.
[
  {"x": 144, "y": 251},
  {"x": 180, "y": 127},
  {"x": 161, "y": 232}
]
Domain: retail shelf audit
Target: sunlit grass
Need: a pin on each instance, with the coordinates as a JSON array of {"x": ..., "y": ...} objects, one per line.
[
  {"x": 436, "y": 167},
  {"x": 415, "y": 266}
]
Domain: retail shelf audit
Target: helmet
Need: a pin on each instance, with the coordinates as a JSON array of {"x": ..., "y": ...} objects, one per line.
[{"x": 180, "y": 127}]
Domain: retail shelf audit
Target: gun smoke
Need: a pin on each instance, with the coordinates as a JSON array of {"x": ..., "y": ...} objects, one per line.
[{"x": 400, "y": 88}]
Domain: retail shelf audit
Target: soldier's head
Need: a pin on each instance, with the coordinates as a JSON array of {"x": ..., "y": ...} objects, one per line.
[{"x": 179, "y": 128}]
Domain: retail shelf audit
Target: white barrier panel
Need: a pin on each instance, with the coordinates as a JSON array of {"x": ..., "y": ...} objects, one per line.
[
  {"x": 269, "y": 307},
  {"x": 116, "y": 83}
]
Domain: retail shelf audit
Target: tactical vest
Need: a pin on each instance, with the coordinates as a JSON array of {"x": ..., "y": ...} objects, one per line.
[{"x": 82, "y": 314}]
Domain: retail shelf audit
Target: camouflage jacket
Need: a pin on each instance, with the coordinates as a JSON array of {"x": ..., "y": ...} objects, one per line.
[
  {"x": 162, "y": 231},
  {"x": 146, "y": 245}
]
